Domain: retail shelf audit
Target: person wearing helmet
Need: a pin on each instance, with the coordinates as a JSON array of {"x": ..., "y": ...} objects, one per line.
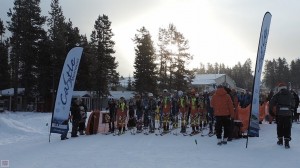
[
  {"x": 175, "y": 110},
  {"x": 166, "y": 109},
  {"x": 284, "y": 102},
  {"x": 183, "y": 108},
  {"x": 151, "y": 112},
  {"x": 112, "y": 107},
  {"x": 193, "y": 103},
  {"x": 223, "y": 111},
  {"x": 139, "y": 113},
  {"x": 202, "y": 111},
  {"x": 132, "y": 119},
  {"x": 121, "y": 115}
]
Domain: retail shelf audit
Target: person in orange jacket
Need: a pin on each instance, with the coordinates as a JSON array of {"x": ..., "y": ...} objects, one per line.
[{"x": 224, "y": 112}]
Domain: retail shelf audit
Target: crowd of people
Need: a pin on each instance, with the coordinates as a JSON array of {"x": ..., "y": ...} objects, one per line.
[
  {"x": 193, "y": 112},
  {"x": 178, "y": 110}
]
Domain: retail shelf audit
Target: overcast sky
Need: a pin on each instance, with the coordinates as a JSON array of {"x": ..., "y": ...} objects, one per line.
[{"x": 223, "y": 31}]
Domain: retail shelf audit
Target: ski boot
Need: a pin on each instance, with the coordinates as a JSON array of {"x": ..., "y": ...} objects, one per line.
[
  {"x": 287, "y": 143},
  {"x": 219, "y": 142},
  {"x": 224, "y": 141},
  {"x": 280, "y": 141}
]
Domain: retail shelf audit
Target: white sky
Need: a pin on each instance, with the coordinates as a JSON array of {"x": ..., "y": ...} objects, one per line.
[{"x": 223, "y": 31}]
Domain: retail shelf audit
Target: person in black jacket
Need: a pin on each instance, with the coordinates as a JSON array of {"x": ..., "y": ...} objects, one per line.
[
  {"x": 76, "y": 117},
  {"x": 83, "y": 114},
  {"x": 112, "y": 107},
  {"x": 296, "y": 114},
  {"x": 284, "y": 103}
]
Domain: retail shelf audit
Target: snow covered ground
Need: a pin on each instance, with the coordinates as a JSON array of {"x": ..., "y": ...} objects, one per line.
[{"x": 24, "y": 143}]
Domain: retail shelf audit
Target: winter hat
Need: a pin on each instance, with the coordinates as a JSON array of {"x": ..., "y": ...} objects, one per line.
[{"x": 282, "y": 86}]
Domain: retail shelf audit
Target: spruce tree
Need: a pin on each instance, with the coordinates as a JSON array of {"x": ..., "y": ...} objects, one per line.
[
  {"x": 83, "y": 80},
  {"x": 26, "y": 27},
  {"x": 145, "y": 68},
  {"x": 57, "y": 35},
  {"x": 104, "y": 65},
  {"x": 4, "y": 68},
  {"x": 295, "y": 69}
]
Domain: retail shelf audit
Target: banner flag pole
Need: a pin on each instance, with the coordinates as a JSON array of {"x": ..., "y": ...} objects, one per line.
[{"x": 253, "y": 127}]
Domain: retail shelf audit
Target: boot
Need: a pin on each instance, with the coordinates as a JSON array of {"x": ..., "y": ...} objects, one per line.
[
  {"x": 287, "y": 144},
  {"x": 224, "y": 141},
  {"x": 219, "y": 142},
  {"x": 280, "y": 141}
]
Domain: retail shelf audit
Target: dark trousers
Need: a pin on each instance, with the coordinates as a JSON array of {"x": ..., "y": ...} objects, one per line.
[
  {"x": 146, "y": 118},
  {"x": 284, "y": 125},
  {"x": 152, "y": 120},
  {"x": 111, "y": 124},
  {"x": 75, "y": 124},
  {"x": 81, "y": 126},
  {"x": 296, "y": 115},
  {"x": 222, "y": 122}
]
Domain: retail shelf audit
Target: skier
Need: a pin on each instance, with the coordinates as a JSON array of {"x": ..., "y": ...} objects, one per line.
[
  {"x": 194, "y": 112},
  {"x": 145, "y": 103},
  {"x": 223, "y": 111},
  {"x": 75, "y": 116},
  {"x": 202, "y": 112},
  {"x": 132, "y": 120},
  {"x": 151, "y": 112},
  {"x": 166, "y": 109},
  {"x": 296, "y": 114},
  {"x": 284, "y": 102},
  {"x": 83, "y": 113},
  {"x": 175, "y": 110},
  {"x": 112, "y": 114},
  {"x": 121, "y": 115},
  {"x": 139, "y": 113},
  {"x": 210, "y": 113},
  {"x": 183, "y": 107}
]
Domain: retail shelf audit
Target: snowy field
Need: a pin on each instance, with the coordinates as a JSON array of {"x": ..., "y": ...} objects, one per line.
[{"x": 24, "y": 143}]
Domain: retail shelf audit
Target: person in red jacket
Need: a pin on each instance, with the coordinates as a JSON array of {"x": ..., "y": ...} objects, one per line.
[{"x": 223, "y": 111}]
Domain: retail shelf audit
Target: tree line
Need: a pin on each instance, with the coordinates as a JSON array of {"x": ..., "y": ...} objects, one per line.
[{"x": 33, "y": 56}]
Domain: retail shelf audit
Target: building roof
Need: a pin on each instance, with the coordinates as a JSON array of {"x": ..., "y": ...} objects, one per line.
[
  {"x": 206, "y": 79},
  {"x": 10, "y": 91},
  {"x": 114, "y": 94}
]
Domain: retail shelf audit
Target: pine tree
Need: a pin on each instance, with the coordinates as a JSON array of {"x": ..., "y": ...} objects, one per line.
[
  {"x": 2, "y": 30},
  {"x": 45, "y": 81},
  {"x": 57, "y": 36},
  {"x": 295, "y": 69},
  {"x": 26, "y": 27},
  {"x": 129, "y": 86},
  {"x": 103, "y": 62},
  {"x": 269, "y": 73},
  {"x": 173, "y": 57},
  {"x": 72, "y": 35},
  {"x": 145, "y": 68},
  {"x": 282, "y": 71},
  {"x": 83, "y": 80},
  {"x": 246, "y": 74},
  {"x": 4, "y": 68}
]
